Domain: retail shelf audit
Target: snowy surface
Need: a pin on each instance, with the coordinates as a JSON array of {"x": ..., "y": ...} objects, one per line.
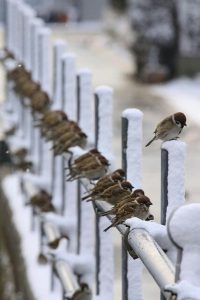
[
  {"x": 184, "y": 227},
  {"x": 134, "y": 159},
  {"x": 22, "y": 220},
  {"x": 184, "y": 290},
  {"x": 184, "y": 93},
  {"x": 176, "y": 173}
]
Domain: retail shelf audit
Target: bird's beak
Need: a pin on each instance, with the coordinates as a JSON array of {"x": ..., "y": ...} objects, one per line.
[{"x": 185, "y": 124}]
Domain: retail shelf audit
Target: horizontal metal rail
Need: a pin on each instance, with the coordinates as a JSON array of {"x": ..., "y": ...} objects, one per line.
[{"x": 150, "y": 253}]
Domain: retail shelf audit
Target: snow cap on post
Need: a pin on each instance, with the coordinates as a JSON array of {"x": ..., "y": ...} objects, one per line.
[
  {"x": 58, "y": 50},
  {"x": 176, "y": 174},
  {"x": 184, "y": 228},
  {"x": 69, "y": 85}
]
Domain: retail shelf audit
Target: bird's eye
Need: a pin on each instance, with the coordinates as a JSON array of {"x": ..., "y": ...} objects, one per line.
[{"x": 178, "y": 123}]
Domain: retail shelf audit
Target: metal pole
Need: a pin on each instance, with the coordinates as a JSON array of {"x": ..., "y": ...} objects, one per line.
[
  {"x": 164, "y": 185},
  {"x": 124, "y": 251},
  {"x": 97, "y": 242}
]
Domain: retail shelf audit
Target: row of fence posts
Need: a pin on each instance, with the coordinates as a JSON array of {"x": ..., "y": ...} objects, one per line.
[{"x": 28, "y": 38}]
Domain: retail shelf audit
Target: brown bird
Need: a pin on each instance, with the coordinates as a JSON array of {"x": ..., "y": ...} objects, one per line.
[
  {"x": 40, "y": 102},
  {"x": 91, "y": 171},
  {"x": 53, "y": 117},
  {"x": 20, "y": 153},
  {"x": 91, "y": 153},
  {"x": 103, "y": 180},
  {"x": 24, "y": 165},
  {"x": 115, "y": 193},
  {"x": 99, "y": 188},
  {"x": 139, "y": 209},
  {"x": 75, "y": 139},
  {"x": 169, "y": 128},
  {"x": 62, "y": 128},
  {"x": 29, "y": 88},
  {"x": 130, "y": 198},
  {"x": 40, "y": 199}
]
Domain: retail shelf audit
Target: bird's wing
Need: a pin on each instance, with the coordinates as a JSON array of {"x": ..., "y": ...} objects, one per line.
[{"x": 163, "y": 126}]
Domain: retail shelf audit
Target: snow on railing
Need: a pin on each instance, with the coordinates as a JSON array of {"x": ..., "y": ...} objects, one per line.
[{"x": 79, "y": 252}]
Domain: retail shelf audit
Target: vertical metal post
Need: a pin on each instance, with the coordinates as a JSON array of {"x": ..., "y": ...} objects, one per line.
[
  {"x": 79, "y": 215},
  {"x": 124, "y": 251},
  {"x": 164, "y": 185},
  {"x": 164, "y": 191},
  {"x": 97, "y": 233}
]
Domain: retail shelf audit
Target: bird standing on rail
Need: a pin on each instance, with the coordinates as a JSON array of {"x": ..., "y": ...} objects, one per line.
[
  {"x": 169, "y": 128},
  {"x": 99, "y": 188},
  {"x": 115, "y": 193},
  {"x": 92, "y": 171},
  {"x": 138, "y": 208},
  {"x": 130, "y": 198}
]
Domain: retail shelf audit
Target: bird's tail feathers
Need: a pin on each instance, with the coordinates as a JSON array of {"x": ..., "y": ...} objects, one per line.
[
  {"x": 107, "y": 228},
  {"x": 149, "y": 143}
]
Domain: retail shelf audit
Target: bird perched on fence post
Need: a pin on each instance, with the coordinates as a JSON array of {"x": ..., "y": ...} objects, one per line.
[
  {"x": 169, "y": 128},
  {"x": 138, "y": 208}
]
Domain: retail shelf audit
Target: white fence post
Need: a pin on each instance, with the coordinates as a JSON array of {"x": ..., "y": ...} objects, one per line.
[
  {"x": 131, "y": 162},
  {"x": 104, "y": 250}
]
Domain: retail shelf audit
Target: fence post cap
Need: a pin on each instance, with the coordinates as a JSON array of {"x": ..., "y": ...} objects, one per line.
[
  {"x": 173, "y": 144},
  {"x": 103, "y": 89},
  {"x": 132, "y": 113},
  {"x": 184, "y": 225}
]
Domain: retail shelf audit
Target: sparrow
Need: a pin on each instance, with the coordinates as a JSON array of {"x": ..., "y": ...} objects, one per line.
[
  {"x": 60, "y": 129},
  {"x": 103, "y": 180},
  {"x": 24, "y": 165},
  {"x": 40, "y": 102},
  {"x": 169, "y": 128},
  {"x": 40, "y": 199},
  {"x": 99, "y": 188},
  {"x": 20, "y": 154},
  {"x": 91, "y": 171},
  {"x": 89, "y": 154},
  {"x": 139, "y": 209},
  {"x": 76, "y": 139},
  {"x": 130, "y": 198},
  {"x": 29, "y": 88},
  {"x": 53, "y": 118},
  {"x": 115, "y": 193}
]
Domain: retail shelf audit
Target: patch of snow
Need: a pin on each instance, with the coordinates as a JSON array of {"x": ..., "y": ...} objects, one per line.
[{"x": 184, "y": 93}]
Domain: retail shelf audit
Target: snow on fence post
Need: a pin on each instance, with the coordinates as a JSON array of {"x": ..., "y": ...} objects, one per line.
[
  {"x": 70, "y": 107},
  {"x": 85, "y": 119},
  {"x": 58, "y": 161},
  {"x": 172, "y": 177},
  {"x": 35, "y": 25},
  {"x": 44, "y": 45},
  {"x": 131, "y": 163},
  {"x": 29, "y": 15},
  {"x": 104, "y": 250},
  {"x": 183, "y": 229}
]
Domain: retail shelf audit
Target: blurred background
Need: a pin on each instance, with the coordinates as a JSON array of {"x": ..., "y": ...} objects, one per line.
[{"x": 149, "y": 52}]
